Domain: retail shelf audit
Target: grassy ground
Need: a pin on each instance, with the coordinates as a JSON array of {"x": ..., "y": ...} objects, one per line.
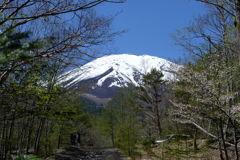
[{"x": 179, "y": 150}]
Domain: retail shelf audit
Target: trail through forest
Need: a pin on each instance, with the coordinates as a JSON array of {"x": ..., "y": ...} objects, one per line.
[{"x": 89, "y": 153}]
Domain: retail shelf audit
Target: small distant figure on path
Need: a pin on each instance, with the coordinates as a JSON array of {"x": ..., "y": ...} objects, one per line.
[{"x": 75, "y": 139}]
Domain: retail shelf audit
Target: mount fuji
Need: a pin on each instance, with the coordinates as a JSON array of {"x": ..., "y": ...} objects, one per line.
[{"x": 101, "y": 77}]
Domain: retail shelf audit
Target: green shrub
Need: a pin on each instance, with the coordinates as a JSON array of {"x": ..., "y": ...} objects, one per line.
[{"x": 148, "y": 142}]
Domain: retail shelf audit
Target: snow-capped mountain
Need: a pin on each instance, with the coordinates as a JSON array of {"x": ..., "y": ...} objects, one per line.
[{"x": 103, "y": 75}]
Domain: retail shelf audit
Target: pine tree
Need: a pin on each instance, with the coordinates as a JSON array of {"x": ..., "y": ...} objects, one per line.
[{"x": 151, "y": 96}]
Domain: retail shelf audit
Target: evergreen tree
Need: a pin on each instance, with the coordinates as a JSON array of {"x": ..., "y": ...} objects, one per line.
[{"x": 151, "y": 97}]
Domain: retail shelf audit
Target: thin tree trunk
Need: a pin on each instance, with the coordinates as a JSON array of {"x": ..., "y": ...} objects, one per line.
[
  {"x": 112, "y": 126},
  {"x": 11, "y": 133},
  {"x": 38, "y": 137},
  {"x": 235, "y": 143},
  {"x": 25, "y": 135},
  {"x": 158, "y": 121},
  {"x": 112, "y": 135},
  {"x": 223, "y": 140},
  {"x": 30, "y": 131},
  {"x": 3, "y": 138},
  {"x": 220, "y": 148},
  {"x": 6, "y": 140},
  {"x": 46, "y": 140},
  {"x": 195, "y": 147},
  {"x": 237, "y": 4},
  {"x": 59, "y": 140},
  {"x": 219, "y": 143},
  {"x": 157, "y": 112}
]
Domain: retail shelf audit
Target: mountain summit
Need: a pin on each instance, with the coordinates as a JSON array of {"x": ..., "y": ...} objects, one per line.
[{"x": 103, "y": 75}]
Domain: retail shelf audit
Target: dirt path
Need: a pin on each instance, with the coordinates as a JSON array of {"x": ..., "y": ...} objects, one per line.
[{"x": 89, "y": 153}]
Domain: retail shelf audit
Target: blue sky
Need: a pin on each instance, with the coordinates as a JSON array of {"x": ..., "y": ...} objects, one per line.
[{"x": 149, "y": 25}]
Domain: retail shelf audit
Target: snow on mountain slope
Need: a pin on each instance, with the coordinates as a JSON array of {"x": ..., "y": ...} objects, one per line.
[{"x": 122, "y": 69}]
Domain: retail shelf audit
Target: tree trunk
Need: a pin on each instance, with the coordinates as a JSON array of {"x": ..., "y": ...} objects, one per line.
[
  {"x": 38, "y": 136},
  {"x": 6, "y": 143},
  {"x": 11, "y": 133},
  {"x": 158, "y": 121},
  {"x": 223, "y": 140},
  {"x": 220, "y": 148},
  {"x": 157, "y": 112},
  {"x": 112, "y": 136},
  {"x": 237, "y": 4},
  {"x": 219, "y": 143},
  {"x": 59, "y": 140},
  {"x": 30, "y": 131},
  {"x": 3, "y": 138},
  {"x": 235, "y": 143},
  {"x": 112, "y": 126},
  {"x": 195, "y": 147}
]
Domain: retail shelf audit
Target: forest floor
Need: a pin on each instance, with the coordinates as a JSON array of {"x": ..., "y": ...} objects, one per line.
[
  {"x": 180, "y": 150},
  {"x": 90, "y": 153}
]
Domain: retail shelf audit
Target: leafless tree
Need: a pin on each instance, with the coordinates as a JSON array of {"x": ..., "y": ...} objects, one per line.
[{"x": 71, "y": 27}]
